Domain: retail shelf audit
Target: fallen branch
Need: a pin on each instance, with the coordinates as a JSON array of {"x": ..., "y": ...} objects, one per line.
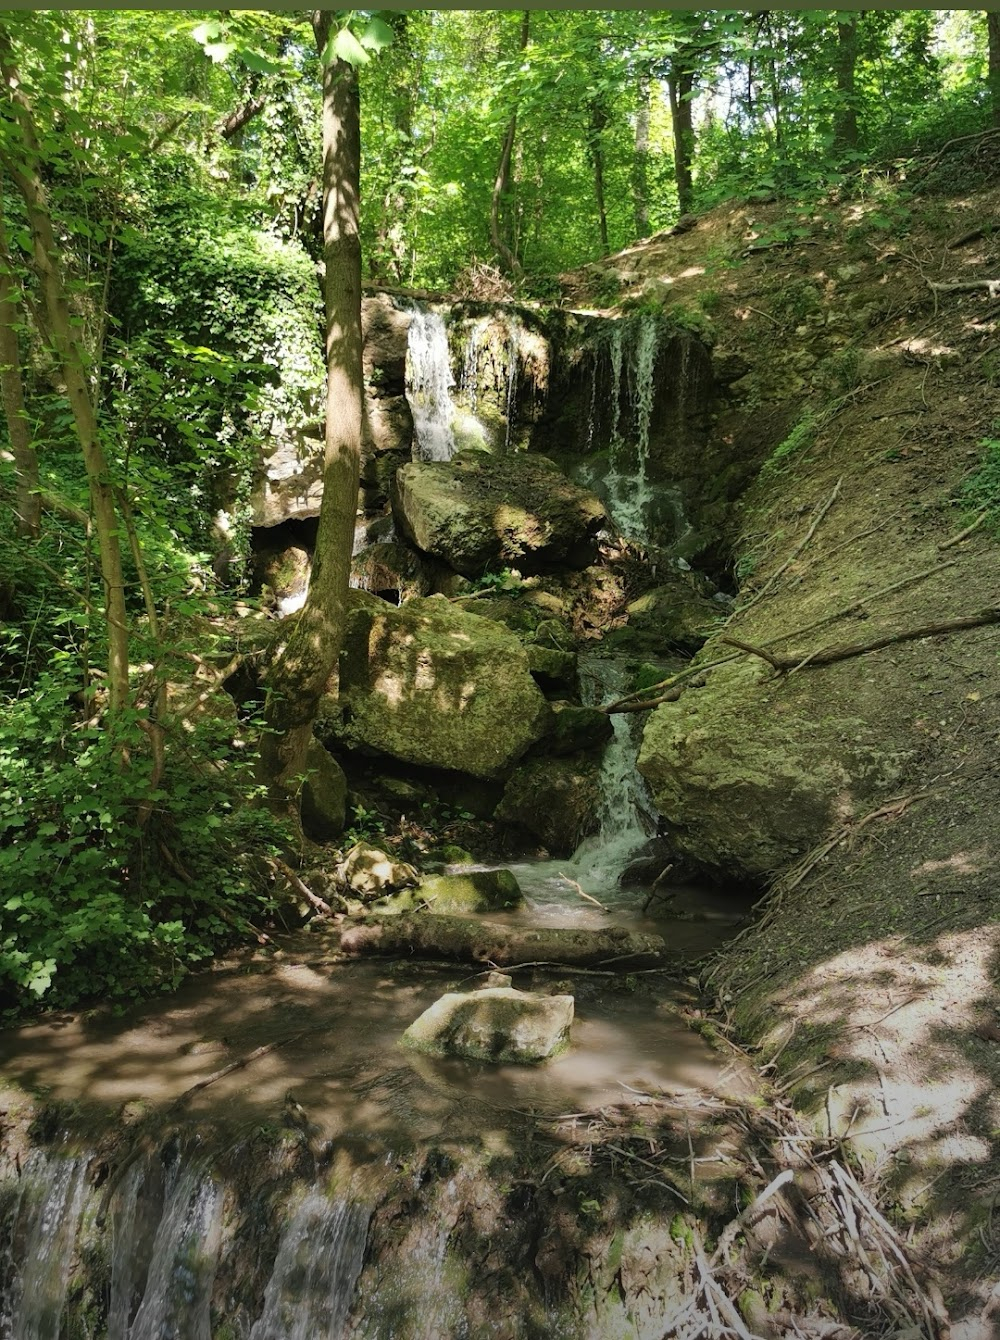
[
  {"x": 237, "y": 1065},
  {"x": 964, "y": 534},
  {"x": 831, "y": 655},
  {"x": 289, "y": 875},
  {"x": 792, "y": 557},
  {"x": 973, "y": 235},
  {"x": 751, "y": 650},
  {"x": 574, "y": 885},
  {"x": 422, "y": 935},
  {"x": 992, "y": 287}
]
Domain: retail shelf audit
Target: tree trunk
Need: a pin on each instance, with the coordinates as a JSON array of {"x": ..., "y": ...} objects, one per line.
[
  {"x": 23, "y": 163},
  {"x": 640, "y": 162},
  {"x": 303, "y": 668},
  {"x": 680, "y": 84},
  {"x": 595, "y": 129},
  {"x": 29, "y": 502},
  {"x": 993, "y": 75},
  {"x": 845, "y": 117},
  {"x": 501, "y": 183}
]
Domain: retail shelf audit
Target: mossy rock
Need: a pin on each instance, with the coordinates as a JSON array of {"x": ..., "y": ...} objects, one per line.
[
  {"x": 499, "y": 1024},
  {"x": 471, "y": 891}
]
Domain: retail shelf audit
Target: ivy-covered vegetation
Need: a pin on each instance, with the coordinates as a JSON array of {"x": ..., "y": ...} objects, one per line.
[{"x": 161, "y": 321}]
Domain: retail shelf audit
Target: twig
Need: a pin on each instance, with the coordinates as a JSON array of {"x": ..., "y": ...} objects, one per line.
[
  {"x": 238, "y": 1065},
  {"x": 964, "y": 534},
  {"x": 574, "y": 885},
  {"x": 751, "y": 650},
  {"x": 831, "y": 655},
  {"x": 297, "y": 884},
  {"x": 798, "y": 550},
  {"x": 992, "y": 286},
  {"x": 973, "y": 235}
]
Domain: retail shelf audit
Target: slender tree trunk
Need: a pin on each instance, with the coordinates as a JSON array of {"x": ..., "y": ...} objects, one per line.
[
  {"x": 502, "y": 181},
  {"x": 845, "y": 117},
  {"x": 680, "y": 85},
  {"x": 993, "y": 35},
  {"x": 23, "y": 164},
  {"x": 640, "y": 162},
  {"x": 303, "y": 669},
  {"x": 595, "y": 129},
  {"x": 29, "y": 501}
]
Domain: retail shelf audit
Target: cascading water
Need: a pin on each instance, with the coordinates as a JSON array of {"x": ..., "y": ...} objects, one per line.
[
  {"x": 631, "y": 349},
  {"x": 37, "y": 1256},
  {"x": 319, "y": 1259},
  {"x": 428, "y": 386},
  {"x": 625, "y": 819}
]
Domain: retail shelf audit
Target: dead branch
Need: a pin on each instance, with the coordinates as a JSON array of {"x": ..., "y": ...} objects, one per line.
[
  {"x": 751, "y": 650},
  {"x": 992, "y": 287},
  {"x": 798, "y": 550},
  {"x": 973, "y": 235},
  {"x": 291, "y": 878},
  {"x": 574, "y": 885},
  {"x": 847, "y": 652},
  {"x": 964, "y": 534},
  {"x": 237, "y": 1065}
]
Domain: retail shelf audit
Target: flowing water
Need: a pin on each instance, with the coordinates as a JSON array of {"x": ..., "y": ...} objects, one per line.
[{"x": 428, "y": 386}]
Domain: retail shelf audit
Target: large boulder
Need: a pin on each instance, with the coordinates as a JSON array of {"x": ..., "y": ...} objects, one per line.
[
  {"x": 480, "y": 513},
  {"x": 369, "y": 872},
  {"x": 288, "y": 483},
  {"x": 428, "y": 684},
  {"x": 468, "y": 891},
  {"x": 749, "y": 773},
  {"x": 495, "y": 1024},
  {"x": 676, "y": 613},
  {"x": 323, "y": 807},
  {"x": 556, "y": 800}
]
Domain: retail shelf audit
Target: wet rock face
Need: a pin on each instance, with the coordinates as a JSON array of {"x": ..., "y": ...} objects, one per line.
[
  {"x": 480, "y": 513},
  {"x": 746, "y": 782},
  {"x": 429, "y": 684},
  {"x": 494, "y": 1024}
]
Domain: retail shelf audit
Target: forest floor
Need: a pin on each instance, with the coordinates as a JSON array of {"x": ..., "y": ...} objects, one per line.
[{"x": 867, "y": 989}]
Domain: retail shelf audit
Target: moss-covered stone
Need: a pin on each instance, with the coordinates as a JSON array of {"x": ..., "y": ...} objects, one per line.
[
  {"x": 577, "y": 728},
  {"x": 495, "y": 1024},
  {"x": 324, "y": 795},
  {"x": 428, "y": 684},
  {"x": 470, "y": 891},
  {"x": 555, "y": 800}
]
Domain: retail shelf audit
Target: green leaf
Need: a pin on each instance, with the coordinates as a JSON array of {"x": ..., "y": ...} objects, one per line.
[
  {"x": 377, "y": 34},
  {"x": 346, "y": 47},
  {"x": 258, "y": 62},
  {"x": 209, "y": 31},
  {"x": 218, "y": 52}
]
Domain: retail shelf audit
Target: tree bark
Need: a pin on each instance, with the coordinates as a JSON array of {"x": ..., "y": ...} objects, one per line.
[
  {"x": 427, "y": 935},
  {"x": 28, "y": 484},
  {"x": 595, "y": 129},
  {"x": 23, "y": 165},
  {"x": 993, "y": 73},
  {"x": 845, "y": 117},
  {"x": 304, "y": 666},
  {"x": 501, "y": 183},
  {"x": 640, "y": 161},
  {"x": 680, "y": 85}
]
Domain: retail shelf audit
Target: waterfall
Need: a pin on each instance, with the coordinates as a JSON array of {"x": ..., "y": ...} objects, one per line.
[
  {"x": 510, "y": 406},
  {"x": 176, "y": 1281},
  {"x": 309, "y": 1294},
  {"x": 428, "y": 386},
  {"x": 630, "y": 349},
  {"x": 38, "y": 1256}
]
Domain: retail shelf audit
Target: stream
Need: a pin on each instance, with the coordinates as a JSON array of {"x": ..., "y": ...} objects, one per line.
[{"x": 178, "y": 1222}]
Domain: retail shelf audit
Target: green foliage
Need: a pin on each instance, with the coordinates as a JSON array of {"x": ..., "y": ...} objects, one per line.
[
  {"x": 92, "y": 904},
  {"x": 980, "y": 491},
  {"x": 802, "y": 436}
]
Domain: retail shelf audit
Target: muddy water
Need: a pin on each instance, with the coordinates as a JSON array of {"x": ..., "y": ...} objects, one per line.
[{"x": 337, "y": 1063}]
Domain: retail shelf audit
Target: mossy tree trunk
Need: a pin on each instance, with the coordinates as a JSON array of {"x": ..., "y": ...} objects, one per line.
[
  {"x": 304, "y": 665},
  {"x": 993, "y": 74},
  {"x": 28, "y": 503},
  {"x": 680, "y": 85}
]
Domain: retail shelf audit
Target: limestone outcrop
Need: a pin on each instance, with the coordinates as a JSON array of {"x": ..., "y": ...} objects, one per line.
[
  {"x": 426, "y": 683},
  {"x": 480, "y": 513}
]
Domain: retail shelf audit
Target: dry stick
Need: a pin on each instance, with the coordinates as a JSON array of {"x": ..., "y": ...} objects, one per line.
[
  {"x": 795, "y": 554},
  {"x": 238, "y": 1065},
  {"x": 992, "y": 286},
  {"x": 292, "y": 878},
  {"x": 751, "y": 650},
  {"x": 964, "y": 534},
  {"x": 973, "y": 235},
  {"x": 574, "y": 885},
  {"x": 673, "y": 682},
  {"x": 847, "y": 652}
]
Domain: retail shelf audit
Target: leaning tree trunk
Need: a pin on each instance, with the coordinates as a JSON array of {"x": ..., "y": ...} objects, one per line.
[
  {"x": 680, "y": 85},
  {"x": 501, "y": 183},
  {"x": 304, "y": 666},
  {"x": 21, "y": 157},
  {"x": 595, "y": 129},
  {"x": 993, "y": 74}
]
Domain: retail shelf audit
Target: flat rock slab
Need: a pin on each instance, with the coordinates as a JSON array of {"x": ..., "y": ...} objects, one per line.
[
  {"x": 469, "y": 940},
  {"x": 494, "y": 1024}
]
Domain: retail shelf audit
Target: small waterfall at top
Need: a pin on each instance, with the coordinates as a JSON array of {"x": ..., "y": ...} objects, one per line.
[
  {"x": 428, "y": 386},
  {"x": 627, "y": 483}
]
